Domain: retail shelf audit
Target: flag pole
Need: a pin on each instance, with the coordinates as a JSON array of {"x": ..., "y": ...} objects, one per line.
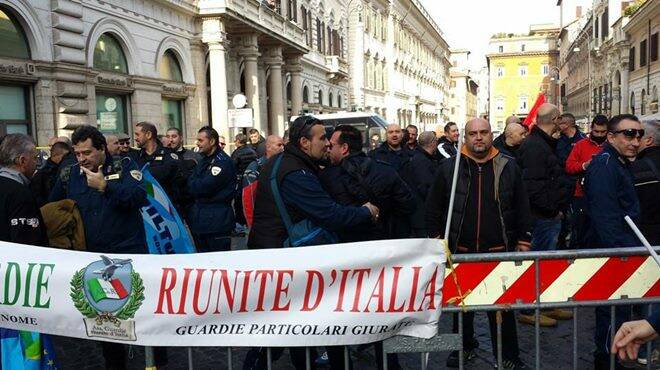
[{"x": 642, "y": 239}]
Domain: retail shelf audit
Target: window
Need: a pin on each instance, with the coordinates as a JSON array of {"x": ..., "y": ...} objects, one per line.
[
  {"x": 170, "y": 68},
  {"x": 111, "y": 113},
  {"x": 642, "y": 105},
  {"x": 604, "y": 23},
  {"x": 173, "y": 113},
  {"x": 600, "y": 99},
  {"x": 596, "y": 28},
  {"x": 14, "y": 112},
  {"x": 320, "y": 97},
  {"x": 631, "y": 59},
  {"x": 642, "y": 53},
  {"x": 522, "y": 70},
  {"x": 109, "y": 56},
  {"x": 522, "y": 47},
  {"x": 500, "y": 48},
  {"x": 545, "y": 69},
  {"x": 319, "y": 35},
  {"x": 654, "y": 47},
  {"x": 339, "y": 100},
  {"x": 12, "y": 38},
  {"x": 522, "y": 104},
  {"x": 632, "y": 102},
  {"x": 500, "y": 71},
  {"x": 305, "y": 95},
  {"x": 330, "y": 99},
  {"x": 499, "y": 105}
]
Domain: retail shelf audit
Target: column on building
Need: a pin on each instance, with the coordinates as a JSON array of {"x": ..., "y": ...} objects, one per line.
[
  {"x": 294, "y": 66},
  {"x": 213, "y": 34},
  {"x": 276, "y": 101},
  {"x": 250, "y": 52}
]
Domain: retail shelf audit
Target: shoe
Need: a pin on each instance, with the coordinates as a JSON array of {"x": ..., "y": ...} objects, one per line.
[
  {"x": 558, "y": 314},
  {"x": 544, "y": 321},
  {"x": 452, "y": 360},
  {"x": 516, "y": 364},
  {"x": 642, "y": 359}
]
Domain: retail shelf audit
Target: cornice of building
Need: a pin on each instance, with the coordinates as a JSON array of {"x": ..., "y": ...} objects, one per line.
[
  {"x": 522, "y": 54},
  {"x": 647, "y": 10}
]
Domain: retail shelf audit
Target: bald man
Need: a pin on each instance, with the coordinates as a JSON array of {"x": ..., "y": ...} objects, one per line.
[
  {"x": 494, "y": 210},
  {"x": 393, "y": 151},
  {"x": 509, "y": 141},
  {"x": 512, "y": 119}
]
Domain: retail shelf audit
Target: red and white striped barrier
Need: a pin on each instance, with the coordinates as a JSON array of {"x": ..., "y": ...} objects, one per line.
[{"x": 587, "y": 279}]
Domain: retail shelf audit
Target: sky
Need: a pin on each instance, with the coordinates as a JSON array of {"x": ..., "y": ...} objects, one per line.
[{"x": 468, "y": 24}]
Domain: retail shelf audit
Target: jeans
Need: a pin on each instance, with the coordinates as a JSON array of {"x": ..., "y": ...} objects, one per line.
[
  {"x": 545, "y": 234},
  {"x": 510, "y": 349}
]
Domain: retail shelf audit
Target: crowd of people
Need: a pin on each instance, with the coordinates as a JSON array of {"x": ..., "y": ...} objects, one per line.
[{"x": 540, "y": 188}]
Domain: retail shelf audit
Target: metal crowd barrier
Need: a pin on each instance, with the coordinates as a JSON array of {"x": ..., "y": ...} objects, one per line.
[{"x": 449, "y": 341}]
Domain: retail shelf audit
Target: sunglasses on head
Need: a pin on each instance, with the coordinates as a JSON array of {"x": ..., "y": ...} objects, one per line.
[{"x": 630, "y": 133}]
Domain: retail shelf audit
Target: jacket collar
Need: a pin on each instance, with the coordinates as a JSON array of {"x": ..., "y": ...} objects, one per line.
[
  {"x": 12, "y": 174},
  {"x": 299, "y": 154},
  {"x": 650, "y": 151},
  {"x": 491, "y": 154},
  {"x": 547, "y": 138},
  {"x": 611, "y": 151}
]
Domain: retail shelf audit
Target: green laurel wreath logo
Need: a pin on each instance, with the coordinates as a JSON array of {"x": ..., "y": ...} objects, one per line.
[{"x": 126, "y": 312}]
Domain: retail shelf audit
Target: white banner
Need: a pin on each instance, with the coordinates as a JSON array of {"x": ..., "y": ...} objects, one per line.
[{"x": 325, "y": 295}]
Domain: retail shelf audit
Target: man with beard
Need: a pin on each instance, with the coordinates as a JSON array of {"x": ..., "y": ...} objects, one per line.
[
  {"x": 411, "y": 137},
  {"x": 393, "y": 151},
  {"x": 576, "y": 165},
  {"x": 354, "y": 179}
]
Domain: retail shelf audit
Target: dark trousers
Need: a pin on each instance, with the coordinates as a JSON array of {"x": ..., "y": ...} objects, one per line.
[
  {"x": 115, "y": 356},
  {"x": 580, "y": 223},
  {"x": 257, "y": 358},
  {"x": 212, "y": 242},
  {"x": 510, "y": 349},
  {"x": 238, "y": 208},
  {"x": 602, "y": 338}
]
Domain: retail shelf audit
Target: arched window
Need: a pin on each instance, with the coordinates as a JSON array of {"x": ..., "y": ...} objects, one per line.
[
  {"x": 170, "y": 69},
  {"x": 320, "y": 97},
  {"x": 305, "y": 94},
  {"x": 109, "y": 55},
  {"x": 330, "y": 99},
  {"x": 339, "y": 100},
  {"x": 288, "y": 91},
  {"x": 12, "y": 38}
]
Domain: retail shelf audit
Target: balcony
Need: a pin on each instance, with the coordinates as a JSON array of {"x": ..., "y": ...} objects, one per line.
[
  {"x": 241, "y": 16},
  {"x": 337, "y": 68}
]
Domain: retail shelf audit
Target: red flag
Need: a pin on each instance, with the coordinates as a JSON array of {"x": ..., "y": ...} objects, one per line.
[{"x": 531, "y": 117}]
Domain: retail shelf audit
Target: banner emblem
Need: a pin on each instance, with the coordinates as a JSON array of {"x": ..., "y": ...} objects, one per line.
[{"x": 108, "y": 293}]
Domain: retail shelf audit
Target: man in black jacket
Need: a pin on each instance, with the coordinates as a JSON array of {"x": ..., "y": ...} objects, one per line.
[
  {"x": 44, "y": 179},
  {"x": 509, "y": 142},
  {"x": 447, "y": 144},
  {"x": 393, "y": 150},
  {"x": 646, "y": 171},
  {"x": 354, "y": 179},
  {"x": 490, "y": 215},
  {"x": 419, "y": 176},
  {"x": 242, "y": 156},
  {"x": 542, "y": 174},
  {"x": 20, "y": 219},
  {"x": 548, "y": 192}
]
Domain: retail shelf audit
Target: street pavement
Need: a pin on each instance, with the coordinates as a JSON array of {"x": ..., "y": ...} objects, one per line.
[{"x": 556, "y": 348}]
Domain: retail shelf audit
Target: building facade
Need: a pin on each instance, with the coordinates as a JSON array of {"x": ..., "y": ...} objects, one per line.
[
  {"x": 643, "y": 63},
  {"x": 463, "y": 89},
  {"x": 521, "y": 67},
  {"x": 398, "y": 62},
  {"x": 575, "y": 66}
]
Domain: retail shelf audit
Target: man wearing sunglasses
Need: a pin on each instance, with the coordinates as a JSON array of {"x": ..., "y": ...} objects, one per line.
[{"x": 610, "y": 191}]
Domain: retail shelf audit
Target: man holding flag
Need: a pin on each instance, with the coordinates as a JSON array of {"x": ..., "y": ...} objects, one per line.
[{"x": 109, "y": 193}]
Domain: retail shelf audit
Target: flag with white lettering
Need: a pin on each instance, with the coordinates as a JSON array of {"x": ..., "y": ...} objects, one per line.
[{"x": 165, "y": 232}]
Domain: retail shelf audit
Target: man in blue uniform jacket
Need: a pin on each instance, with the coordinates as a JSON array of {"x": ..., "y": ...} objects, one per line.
[
  {"x": 109, "y": 193},
  {"x": 212, "y": 185}
]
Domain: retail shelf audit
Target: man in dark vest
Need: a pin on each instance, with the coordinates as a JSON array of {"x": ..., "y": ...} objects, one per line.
[{"x": 304, "y": 198}]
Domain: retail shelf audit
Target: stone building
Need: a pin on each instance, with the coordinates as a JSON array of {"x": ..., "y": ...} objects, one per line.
[
  {"x": 463, "y": 89},
  {"x": 521, "y": 67},
  {"x": 398, "y": 62}
]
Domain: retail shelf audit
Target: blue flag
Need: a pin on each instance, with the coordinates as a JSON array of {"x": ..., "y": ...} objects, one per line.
[
  {"x": 165, "y": 232},
  {"x": 24, "y": 350}
]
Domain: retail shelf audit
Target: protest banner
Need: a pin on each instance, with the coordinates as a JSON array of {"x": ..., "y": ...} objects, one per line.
[{"x": 324, "y": 295}]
